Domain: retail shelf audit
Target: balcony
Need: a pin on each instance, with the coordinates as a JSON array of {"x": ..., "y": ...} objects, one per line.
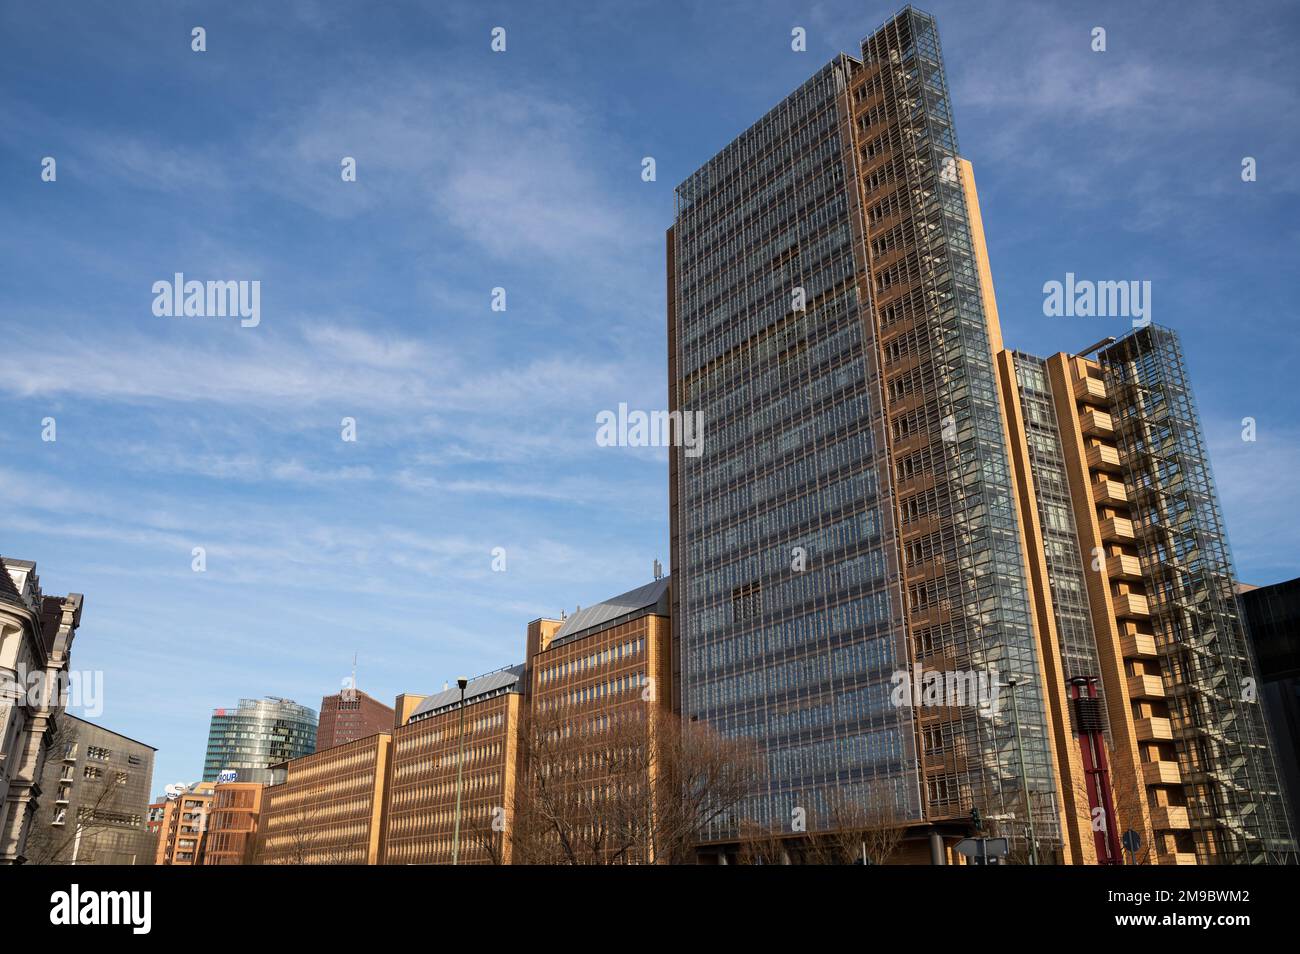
[
  {"x": 1123, "y": 567},
  {"x": 1117, "y": 530},
  {"x": 1103, "y": 457},
  {"x": 1138, "y": 646},
  {"x": 1169, "y": 818},
  {"x": 1146, "y": 687},
  {"x": 1161, "y": 773},
  {"x": 1096, "y": 423},
  {"x": 1154, "y": 729},
  {"x": 1109, "y": 492},
  {"x": 1090, "y": 390},
  {"x": 1132, "y": 606}
]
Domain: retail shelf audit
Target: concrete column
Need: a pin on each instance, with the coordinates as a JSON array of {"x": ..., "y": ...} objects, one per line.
[{"x": 937, "y": 855}]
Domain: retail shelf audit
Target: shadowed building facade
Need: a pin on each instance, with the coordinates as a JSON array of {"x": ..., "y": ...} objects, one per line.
[
  {"x": 99, "y": 784},
  {"x": 1272, "y": 615}
]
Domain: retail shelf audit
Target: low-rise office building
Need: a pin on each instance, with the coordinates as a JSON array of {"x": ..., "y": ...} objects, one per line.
[
  {"x": 598, "y": 691},
  {"x": 327, "y": 808},
  {"x": 424, "y": 825}
]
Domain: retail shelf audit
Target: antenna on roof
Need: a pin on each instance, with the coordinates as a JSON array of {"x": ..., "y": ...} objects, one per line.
[
  {"x": 659, "y": 570},
  {"x": 354, "y": 670}
]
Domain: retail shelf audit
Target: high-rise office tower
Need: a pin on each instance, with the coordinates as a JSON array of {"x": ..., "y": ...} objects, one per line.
[
  {"x": 852, "y": 515},
  {"x": 260, "y": 733}
]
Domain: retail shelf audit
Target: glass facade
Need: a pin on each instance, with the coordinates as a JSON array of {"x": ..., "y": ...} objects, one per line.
[
  {"x": 257, "y": 735},
  {"x": 852, "y": 512},
  {"x": 1234, "y": 797},
  {"x": 1051, "y": 489}
]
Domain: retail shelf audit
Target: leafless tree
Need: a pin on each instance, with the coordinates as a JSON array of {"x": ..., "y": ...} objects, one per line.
[
  {"x": 861, "y": 823},
  {"x": 760, "y": 845},
  {"x": 622, "y": 786},
  {"x": 50, "y": 844}
]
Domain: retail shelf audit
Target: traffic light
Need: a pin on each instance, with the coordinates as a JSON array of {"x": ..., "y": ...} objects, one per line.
[{"x": 976, "y": 820}]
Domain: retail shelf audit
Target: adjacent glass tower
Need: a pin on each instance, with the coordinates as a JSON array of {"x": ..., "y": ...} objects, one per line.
[
  {"x": 1234, "y": 800},
  {"x": 851, "y": 515},
  {"x": 255, "y": 736}
]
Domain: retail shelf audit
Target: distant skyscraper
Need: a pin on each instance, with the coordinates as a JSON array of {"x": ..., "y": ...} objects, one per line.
[
  {"x": 258, "y": 734},
  {"x": 350, "y": 715},
  {"x": 852, "y": 514}
]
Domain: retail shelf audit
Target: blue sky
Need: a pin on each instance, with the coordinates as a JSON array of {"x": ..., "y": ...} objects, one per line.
[{"x": 521, "y": 170}]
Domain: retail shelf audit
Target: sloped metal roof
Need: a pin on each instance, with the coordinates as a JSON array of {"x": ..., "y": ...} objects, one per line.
[
  {"x": 651, "y": 595},
  {"x": 478, "y": 686}
]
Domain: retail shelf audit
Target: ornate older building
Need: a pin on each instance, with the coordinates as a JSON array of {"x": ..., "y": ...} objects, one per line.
[{"x": 36, "y": 635}]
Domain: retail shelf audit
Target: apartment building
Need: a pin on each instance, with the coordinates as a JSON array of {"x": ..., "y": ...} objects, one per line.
[
  {"x": 183, "y": 832},
  {"x": 36, "y": 637},
  {"x": 327, "y": 808},
  {"x": 455, "y": 766}
]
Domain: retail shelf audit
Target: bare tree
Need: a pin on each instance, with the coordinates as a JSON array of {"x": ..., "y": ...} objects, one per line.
[
  {"x": 862, "y": 823},
  {"x": 760, "y": 845},
  {"x": 74, "y": 839},
  {"x": 308, "y": 838},
  {"x": 622, "y": 786}
]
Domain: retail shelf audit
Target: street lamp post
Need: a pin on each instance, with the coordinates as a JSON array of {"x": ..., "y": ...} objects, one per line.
[
  {"x": 1012, "y": 681},
  {"x": 462, "y": 682}
]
